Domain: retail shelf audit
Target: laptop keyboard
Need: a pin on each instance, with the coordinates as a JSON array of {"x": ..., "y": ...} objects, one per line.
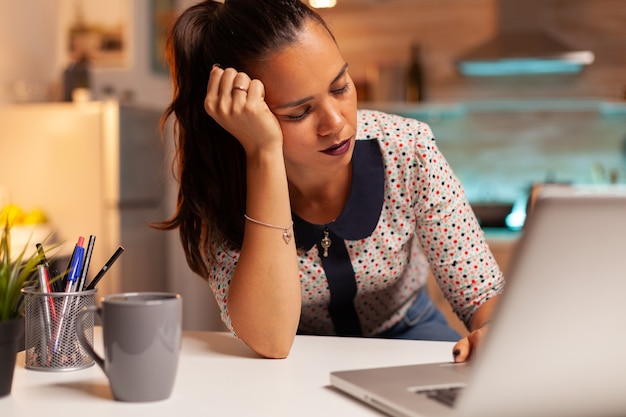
[{"x": 445, "y": 396}]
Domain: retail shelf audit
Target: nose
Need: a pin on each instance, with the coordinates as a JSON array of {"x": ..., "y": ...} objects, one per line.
[{"x": 331, "y": 120}]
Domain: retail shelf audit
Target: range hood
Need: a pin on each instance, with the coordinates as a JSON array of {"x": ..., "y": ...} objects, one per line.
[{"x": 523, "y": 46}]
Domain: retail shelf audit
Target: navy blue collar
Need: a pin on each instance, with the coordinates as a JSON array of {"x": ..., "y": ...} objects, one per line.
[{"x": 365, "y": 201}]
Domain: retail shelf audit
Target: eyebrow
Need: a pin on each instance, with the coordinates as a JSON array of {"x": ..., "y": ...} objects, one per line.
[{"x": 296, "y": 103}]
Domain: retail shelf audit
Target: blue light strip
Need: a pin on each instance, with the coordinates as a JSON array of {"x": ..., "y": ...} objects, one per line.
[{"x": 522, "y": 66}]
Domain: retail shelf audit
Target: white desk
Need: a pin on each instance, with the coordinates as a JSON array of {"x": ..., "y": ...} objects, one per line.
[{"x": 219, "y": 376}]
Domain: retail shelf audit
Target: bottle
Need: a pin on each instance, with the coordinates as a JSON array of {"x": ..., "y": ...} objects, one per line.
[
  {"x": 77, "y": 76},
  {"x": 415, "y": 76}
]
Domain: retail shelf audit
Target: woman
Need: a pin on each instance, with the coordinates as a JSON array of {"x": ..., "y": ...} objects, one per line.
[{"x": 304, "y": 214}]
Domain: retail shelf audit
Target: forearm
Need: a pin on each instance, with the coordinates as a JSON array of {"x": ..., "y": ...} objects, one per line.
[
  {"x": 264, "y": 294},
  {"x": 484, "y": 313}
]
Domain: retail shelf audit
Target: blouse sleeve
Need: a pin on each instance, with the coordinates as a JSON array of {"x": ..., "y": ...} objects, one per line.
[
  {"x": 220, "y": 273},
  {"x": 450, "y": 235}
]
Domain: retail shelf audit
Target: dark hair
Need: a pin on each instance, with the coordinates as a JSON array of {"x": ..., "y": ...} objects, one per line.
[{"x": 211, "y": 164}]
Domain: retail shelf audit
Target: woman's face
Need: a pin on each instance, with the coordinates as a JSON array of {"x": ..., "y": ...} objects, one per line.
[{"x": 308, "y": 88}]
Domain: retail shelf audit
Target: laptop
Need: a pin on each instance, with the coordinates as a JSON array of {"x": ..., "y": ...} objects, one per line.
[{"x": 557, "y": 343}]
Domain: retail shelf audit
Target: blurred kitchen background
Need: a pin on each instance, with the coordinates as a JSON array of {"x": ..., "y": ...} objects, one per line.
[{"x": 518, "y": 92}]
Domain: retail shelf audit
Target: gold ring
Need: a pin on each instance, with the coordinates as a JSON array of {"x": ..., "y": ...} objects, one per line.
[{"x": 238, "y": 87}]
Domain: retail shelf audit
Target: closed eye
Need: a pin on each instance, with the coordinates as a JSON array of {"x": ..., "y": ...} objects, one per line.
[
  {"x": 342, "y": 90},
  {"x": 299, "y": 117}
]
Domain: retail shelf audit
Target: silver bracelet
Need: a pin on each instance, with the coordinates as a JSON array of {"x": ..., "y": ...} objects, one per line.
[{"x": 286, "y": 234}]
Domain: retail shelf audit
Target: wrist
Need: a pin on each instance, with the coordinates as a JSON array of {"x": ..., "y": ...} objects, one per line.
[
  {"x": 483, "y": 324},
  {"x": 271, "y": 148},
  {"x": 262, "y": 155}
]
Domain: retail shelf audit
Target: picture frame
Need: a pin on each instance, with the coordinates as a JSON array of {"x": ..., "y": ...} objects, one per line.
[
  {"x": 100, "y": 31},
  {"x": 162, "y": 16}
]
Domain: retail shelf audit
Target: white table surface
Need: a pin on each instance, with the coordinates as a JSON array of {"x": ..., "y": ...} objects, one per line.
[{"x": 219, "y": 376}]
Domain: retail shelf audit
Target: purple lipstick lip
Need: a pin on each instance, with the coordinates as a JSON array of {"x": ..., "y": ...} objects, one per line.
[{"x": 339, "y": 149}]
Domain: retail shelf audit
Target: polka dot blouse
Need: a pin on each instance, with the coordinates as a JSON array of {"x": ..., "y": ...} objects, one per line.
[{"x": 406, "y": 215}]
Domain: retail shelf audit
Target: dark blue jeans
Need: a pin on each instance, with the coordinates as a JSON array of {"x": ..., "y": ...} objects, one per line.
[{"x": 422, "y": 321}]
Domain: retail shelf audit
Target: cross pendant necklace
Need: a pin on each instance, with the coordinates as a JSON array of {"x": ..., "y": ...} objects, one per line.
[{"x": 326, "y": 242}]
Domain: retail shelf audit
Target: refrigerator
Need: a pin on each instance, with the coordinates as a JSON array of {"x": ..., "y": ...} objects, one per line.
[{"x": 95, "y": 168}]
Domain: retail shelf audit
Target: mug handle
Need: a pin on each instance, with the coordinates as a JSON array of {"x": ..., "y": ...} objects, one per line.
[{"x": 80, "y": 319}]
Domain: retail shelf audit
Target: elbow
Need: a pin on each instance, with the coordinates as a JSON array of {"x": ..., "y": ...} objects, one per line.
[
  {"x": 267, "y": 337},
  {"x": 266, "y": 344},
  {"x": 277, "y": 347},
  {"x": 273, "y": 352}
]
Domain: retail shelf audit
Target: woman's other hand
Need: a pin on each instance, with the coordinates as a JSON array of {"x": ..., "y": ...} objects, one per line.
[
  {"x": 467, "y": 346},
  {"x": 237, "y": 103}
]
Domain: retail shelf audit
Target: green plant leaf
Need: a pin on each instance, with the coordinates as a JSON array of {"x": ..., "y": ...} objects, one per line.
[{"x": 14, "y": 276}]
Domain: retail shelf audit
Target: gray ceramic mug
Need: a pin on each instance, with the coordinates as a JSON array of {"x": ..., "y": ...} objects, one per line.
[{"x": 142, "y": 338}]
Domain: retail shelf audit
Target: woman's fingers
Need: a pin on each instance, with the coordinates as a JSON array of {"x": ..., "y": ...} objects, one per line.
[
  {"x": 256, "y": 89},
  {"x": 464, "y": 348},
  {"x": 213, "y": 88},
  {"x": 461, "y": 351},
  {"x": 224, "y": 88},
  {"x": 239, "y": 86}
]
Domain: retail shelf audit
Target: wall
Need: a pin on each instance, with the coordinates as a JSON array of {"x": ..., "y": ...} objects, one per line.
[
  {"x": 27, "y": 40},
  {"x": 31, "y": 48},
  {"x": 372, "y": 33}
]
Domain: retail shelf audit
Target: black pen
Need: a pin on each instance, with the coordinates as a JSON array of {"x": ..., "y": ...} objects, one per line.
[
  {"x": 56, "y": 284},
  {"x": 83, "y": 274},
  {"x": 42, "y": 255},
  {"x": 105, "y": 268}
]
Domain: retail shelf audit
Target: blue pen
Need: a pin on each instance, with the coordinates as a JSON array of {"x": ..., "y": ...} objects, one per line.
[
  {"x": 70, "y": 286},
  {"x": 75, "y": 265}
]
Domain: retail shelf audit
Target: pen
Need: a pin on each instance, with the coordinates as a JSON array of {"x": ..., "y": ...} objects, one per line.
[
  {"x": 75, "y": 265},
  {"x": 70, "y": 286},
  {"x": 105, "y": 268},
  {"x": 83, "y": 274},
  {"x": 56, "y": 285},
  {"x": 42, "y": 255},
  {"x": 47, "y": 318},
  {"x": 66, "y": 274},
  {"x": 44, "y": 279},
  {"x": 80, "y": 284}
]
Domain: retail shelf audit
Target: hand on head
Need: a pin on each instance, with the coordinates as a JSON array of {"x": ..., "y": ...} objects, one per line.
[{"x": 237, "y": 103}]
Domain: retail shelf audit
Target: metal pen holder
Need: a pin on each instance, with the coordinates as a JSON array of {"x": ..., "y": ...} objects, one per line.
[{"x": 51, "y": 342}]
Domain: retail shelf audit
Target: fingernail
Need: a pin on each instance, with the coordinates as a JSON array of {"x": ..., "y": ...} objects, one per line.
[
  {"x": 456, "y": 352},
  {"x": 217, "y": 65}
]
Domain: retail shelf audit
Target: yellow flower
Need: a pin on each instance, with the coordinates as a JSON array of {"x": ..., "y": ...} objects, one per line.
[
  {"x": 35, "y": 216},
  {"x": 11, "y": 214}
]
